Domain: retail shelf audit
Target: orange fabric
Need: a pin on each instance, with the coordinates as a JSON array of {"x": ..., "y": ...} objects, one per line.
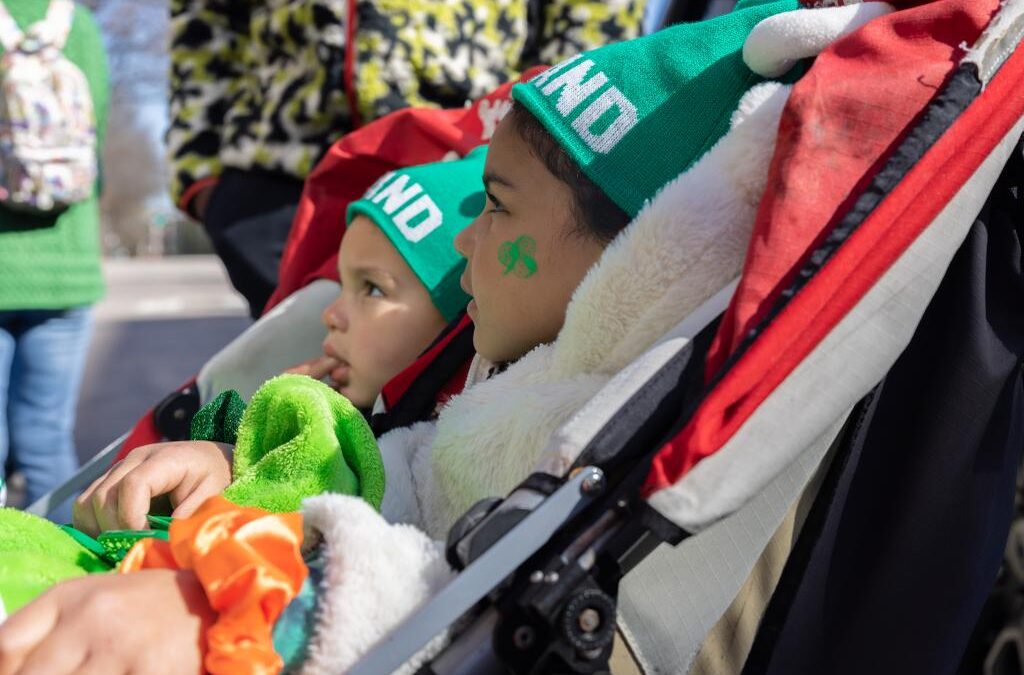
[{"x": 250, "y": 565}]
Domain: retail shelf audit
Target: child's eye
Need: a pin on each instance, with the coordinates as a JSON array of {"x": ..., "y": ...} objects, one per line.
[
  {"x": 496, "y": 206},
  {"x": 373, "y": 290}
]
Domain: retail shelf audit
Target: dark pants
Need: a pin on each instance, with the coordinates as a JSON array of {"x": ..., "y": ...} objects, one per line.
[
  {"x": 902, "y": 546},
  {"x": 248, "y": 219}
]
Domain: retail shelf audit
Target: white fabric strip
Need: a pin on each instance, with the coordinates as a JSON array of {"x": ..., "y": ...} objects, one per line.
[
  {"x": 999, "y": 40},
  {"x": 55, "y": 28},
  {"x": 670, "y": 601},
  {"x": 287, "y": 335},
  {"x": 10, "y": 34},
  {"x": 568, "y": 442}
]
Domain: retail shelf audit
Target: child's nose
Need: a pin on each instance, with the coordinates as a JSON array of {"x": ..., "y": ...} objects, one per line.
[
  {"x": 334, "y": 317},
  {"x": 465, "y": 240}
]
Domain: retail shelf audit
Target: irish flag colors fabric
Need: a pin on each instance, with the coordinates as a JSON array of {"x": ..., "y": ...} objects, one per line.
[{"x": 886, "y": 151}]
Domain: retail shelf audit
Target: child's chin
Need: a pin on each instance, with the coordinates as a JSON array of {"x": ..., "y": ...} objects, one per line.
[{"x": 354, "y": 398}]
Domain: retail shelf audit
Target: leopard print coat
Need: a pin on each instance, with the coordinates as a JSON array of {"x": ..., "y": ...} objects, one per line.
[{"x": 271, "y": 84}]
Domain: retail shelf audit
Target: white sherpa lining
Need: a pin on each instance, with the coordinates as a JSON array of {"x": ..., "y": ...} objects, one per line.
[
  {"x": 680, "y": 250},
  {"x": 375, "y": 574}
]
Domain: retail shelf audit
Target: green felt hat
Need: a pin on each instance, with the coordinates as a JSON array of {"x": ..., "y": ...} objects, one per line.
[
  {"x": 634, "y": 115},
  {"x": 421, "y": 210}
]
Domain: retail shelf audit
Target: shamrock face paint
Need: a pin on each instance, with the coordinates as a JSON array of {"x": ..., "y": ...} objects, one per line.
[
  {"x": 517, "y": 257},
  {"x": 529, "y": 222}
]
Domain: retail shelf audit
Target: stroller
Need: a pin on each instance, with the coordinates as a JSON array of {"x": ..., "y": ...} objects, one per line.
[{"x": 861, "y": 382}]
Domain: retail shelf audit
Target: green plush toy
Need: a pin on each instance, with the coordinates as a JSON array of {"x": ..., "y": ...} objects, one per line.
[
  {"x": 35, "y": 554},
  {"x": 297, "y": 438}
]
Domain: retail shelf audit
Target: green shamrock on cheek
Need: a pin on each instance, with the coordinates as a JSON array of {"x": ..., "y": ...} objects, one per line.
[{"x": 517, "y": 257}]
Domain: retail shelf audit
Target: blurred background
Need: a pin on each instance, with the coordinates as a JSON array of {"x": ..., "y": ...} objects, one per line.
[
  {"x": 139, "y": 219},
  {"x": 169, "y": 305}
]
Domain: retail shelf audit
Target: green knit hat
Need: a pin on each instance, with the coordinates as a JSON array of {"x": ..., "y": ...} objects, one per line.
[
  {"x": 634, "y": 115},
  {"x": 421, "y": 210}
]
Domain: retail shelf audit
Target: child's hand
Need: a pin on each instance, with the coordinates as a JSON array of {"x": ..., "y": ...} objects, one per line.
[
  {"x": 189, "y": 472},
  {"x": 318, "y": 368},
  {"x": 152, "y": 621}
]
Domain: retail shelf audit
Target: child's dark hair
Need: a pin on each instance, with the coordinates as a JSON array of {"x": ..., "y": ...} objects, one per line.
[{"x": 596, "y": 214}]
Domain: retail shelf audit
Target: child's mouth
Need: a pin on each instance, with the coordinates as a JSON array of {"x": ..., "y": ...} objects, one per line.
[{"x": 340, "y": 374}]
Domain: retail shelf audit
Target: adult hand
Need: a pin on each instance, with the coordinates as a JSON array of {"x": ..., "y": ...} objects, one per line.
[
  {"x": 153, "y": 622},
  {"x": 188, "y": 472}
]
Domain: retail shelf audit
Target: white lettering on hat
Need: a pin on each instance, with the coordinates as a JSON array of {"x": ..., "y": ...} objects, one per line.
[
  {"x": 431, "y": 220},
  {"x": 625, "y": 120},
  {"x": 396, "y": 197},
  {"x": 396, "y": 194},
  {"x": 372, "y": 190},
  {"x": 490, "y": 114},
  {"x": 574, "y": 90}
]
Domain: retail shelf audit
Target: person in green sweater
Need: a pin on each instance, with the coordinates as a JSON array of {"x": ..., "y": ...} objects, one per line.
[{"x": 49, "y": 278}]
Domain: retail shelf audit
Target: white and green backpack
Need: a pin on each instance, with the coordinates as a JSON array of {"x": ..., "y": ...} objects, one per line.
[{"x": 47, "y": 123}]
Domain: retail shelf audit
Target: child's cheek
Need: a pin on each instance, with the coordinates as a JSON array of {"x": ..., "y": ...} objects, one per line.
[{"x": 518, "y": 257}]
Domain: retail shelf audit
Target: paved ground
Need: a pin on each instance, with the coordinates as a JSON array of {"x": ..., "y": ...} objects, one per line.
[{"x": 160, "y": 321}]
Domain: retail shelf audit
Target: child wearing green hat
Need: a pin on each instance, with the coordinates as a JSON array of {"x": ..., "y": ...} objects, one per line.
[
  {"x": 620, "y": 195},
  {"x": 399, "y": 274}
]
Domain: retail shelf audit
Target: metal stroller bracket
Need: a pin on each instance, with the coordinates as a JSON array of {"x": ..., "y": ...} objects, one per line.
[
  {"x": 484, "y": 574},
  {"x": 92, "y": 470},
  {"x": 558, "y": 613}
]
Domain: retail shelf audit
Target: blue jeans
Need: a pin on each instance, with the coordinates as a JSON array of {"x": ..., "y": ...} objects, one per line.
[{"x": 42, "y": 356}]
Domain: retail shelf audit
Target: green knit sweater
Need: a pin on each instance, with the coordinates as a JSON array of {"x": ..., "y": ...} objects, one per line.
[{"x": 46, "y": 262}]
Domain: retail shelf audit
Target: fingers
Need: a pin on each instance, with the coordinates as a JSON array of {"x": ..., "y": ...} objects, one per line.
[
  {"x": 98, "y": 662},
  {"x": 25, "y": 630},
  {"x": 104, "y": 501},
  {"x": 159, "y": 475},
  {"x": 82, "y": 516},
  {"x": 317, "y": 368},
  {"x": 148, "y": 622},
  {"x": 122, "y": 498},
  {"x": 46, "y": 659},
  {"x": 93, "y": 501},
  {"x": 206, "y": 488}
]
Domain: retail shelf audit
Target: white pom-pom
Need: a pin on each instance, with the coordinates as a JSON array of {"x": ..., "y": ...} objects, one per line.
[{"x": 778, "y": 42}]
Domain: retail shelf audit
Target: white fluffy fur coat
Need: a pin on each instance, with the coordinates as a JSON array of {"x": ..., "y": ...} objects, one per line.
[{"x": 686, "y": 245}]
